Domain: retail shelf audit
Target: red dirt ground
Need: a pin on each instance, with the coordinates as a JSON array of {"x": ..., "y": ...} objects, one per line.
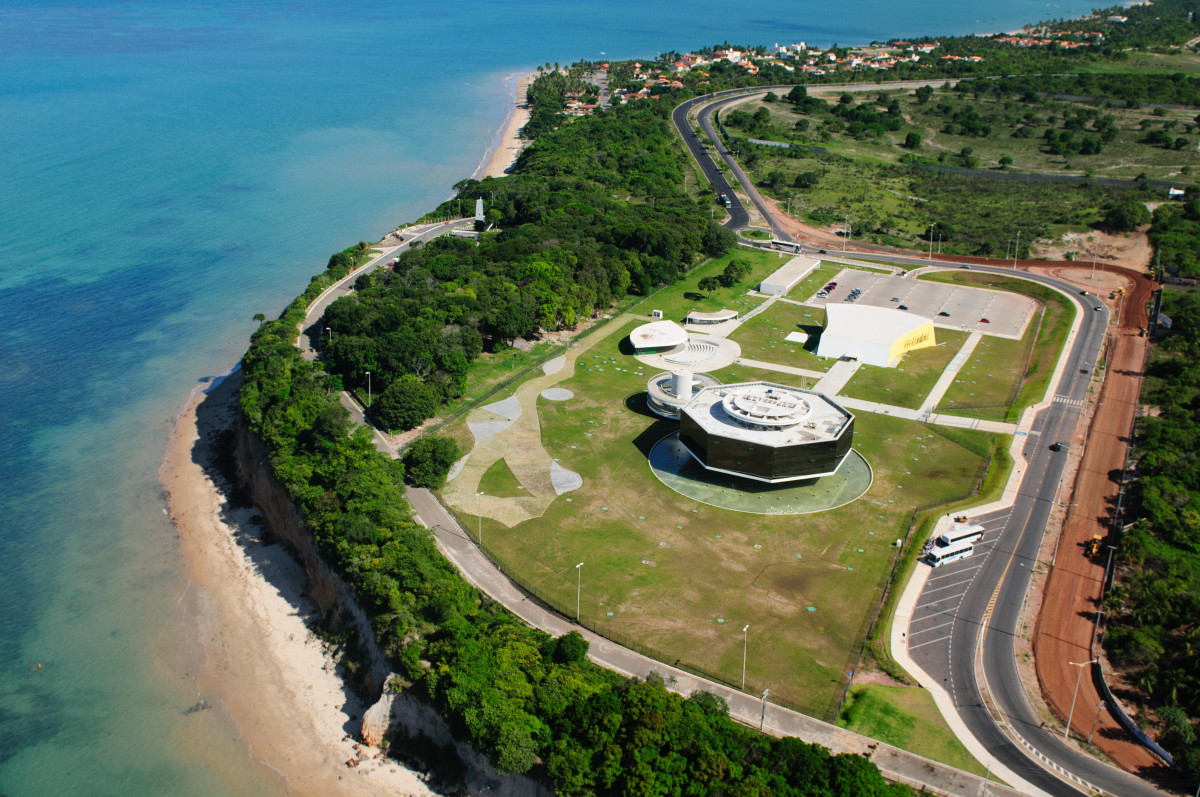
[{"x": 1072, "y": 592}]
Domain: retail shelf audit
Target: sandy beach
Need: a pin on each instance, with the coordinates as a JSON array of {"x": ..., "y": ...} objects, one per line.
[
  {"x": 262, "y": 667},
  {"x": 507, "y": 146}
]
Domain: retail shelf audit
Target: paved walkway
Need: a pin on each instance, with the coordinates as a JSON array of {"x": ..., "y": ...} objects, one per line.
[
  {"x": 783, "y": 369},
  {"x": 947, "y": 378},
  {"x": 895, "y": 764},
  {"x": 836, "y": 378}
]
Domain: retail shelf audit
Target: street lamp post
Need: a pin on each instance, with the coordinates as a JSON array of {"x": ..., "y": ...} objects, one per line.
[
  {"x": 849, "y": 232},
  {"x": 479, "y": 515},
  {"x": 931, "y": 226},
  {"x": 745, "y": 642},
  {"x": 368, "y": 388},
  {"x": 1017, "y": 250},
  {"x": 1078, "y": 677},
  {"x": 763, "y": 722},
  {"x": 330, "y": 332},
  {"x": 1093, "y": 266},
  {"x": 578, "y": 587}
]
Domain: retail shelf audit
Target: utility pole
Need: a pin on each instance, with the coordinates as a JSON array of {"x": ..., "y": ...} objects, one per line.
[
  {"x": 1017, "y": 250},
  {"x": 931, "y": 226},
  {"x": 1095, "y": 722},
  {"x": 763, "y": 722}
]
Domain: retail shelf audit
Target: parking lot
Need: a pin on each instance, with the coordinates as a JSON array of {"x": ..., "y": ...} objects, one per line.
[
  {"x": 933, "y": 616},
  {"x": 951, "y": 306}
]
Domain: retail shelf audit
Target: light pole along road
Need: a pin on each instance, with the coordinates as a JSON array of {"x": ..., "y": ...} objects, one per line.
[{"x": 986, "y": 620}]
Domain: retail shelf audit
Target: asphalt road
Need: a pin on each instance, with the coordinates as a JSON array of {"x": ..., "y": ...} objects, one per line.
[
  {"x": 739, "y": 217},
  {"x": 345, "y": 285},
  {"x": 1000, "y": 580}
]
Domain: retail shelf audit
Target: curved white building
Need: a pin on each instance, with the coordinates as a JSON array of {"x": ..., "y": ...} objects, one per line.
[
  {"x": 873, "y": 335},
  {"x": 657, "y": 337}
]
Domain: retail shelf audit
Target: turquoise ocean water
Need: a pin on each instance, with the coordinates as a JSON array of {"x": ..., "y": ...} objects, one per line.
[{"x": 169, "y": 170}]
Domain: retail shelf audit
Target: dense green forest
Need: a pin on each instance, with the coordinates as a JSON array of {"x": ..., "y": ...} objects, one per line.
[
  {"x": 1175, "y": 234},
  {"x": 1154, "y": 605},
  {"x": 1132, "y": 88}
]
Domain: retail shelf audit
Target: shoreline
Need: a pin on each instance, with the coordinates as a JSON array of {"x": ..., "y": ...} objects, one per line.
[
  {"x": 507, "y": 145},
  {"x": 264, "y": 671},
  {"x": 263, "y": 668}
]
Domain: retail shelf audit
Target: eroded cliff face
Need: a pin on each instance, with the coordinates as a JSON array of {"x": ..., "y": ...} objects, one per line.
[
  {"x": 337, "y": 605},
  {"x": 325, "y": 588}
]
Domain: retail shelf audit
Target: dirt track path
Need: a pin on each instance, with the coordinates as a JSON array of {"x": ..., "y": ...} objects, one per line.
[{"x": 1072, "y": 590}]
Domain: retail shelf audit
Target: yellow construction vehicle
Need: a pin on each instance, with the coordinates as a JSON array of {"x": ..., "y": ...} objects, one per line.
[{"x": 1092, "y": 546}]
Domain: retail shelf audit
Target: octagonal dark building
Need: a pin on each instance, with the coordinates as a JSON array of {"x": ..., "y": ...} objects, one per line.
[{"x": 766, "y": 432}]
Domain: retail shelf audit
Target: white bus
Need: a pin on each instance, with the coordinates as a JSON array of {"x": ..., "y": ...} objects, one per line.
[
  {"x": 944, "y": 554},
  {"x": 972, "y": 532},
  {"x": 787, "y": 246}
]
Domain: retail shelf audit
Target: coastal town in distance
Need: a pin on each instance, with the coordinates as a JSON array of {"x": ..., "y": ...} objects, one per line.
[{"x": 757, "y": 419}]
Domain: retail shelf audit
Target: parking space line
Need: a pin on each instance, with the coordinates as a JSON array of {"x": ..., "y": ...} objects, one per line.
[
  {"x": 930, "y": 642},
  {"x": 931, "y": 628},
  {"x": 955, "y": 573},
  {"x": 948, "y": 586},
  {"x": 956, "y": 598}
]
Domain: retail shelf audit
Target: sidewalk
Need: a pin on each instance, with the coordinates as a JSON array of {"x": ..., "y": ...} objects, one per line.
[
  {"x": 836, "y": 378},
  {"x": 947, "y": 378},
  {"x": 895, "y": 764}
]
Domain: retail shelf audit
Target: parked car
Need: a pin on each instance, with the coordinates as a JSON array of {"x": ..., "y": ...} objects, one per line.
[
  {"x": 984, "y": 321},
  {"x": 903, "y": 307},
  {"x": 944, "y": 314}
]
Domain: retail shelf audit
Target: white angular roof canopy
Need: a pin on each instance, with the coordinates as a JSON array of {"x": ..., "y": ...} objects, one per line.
[{"x": 657, "y": 335}]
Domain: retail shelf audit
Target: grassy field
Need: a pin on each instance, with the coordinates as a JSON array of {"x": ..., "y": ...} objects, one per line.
[
  {"x": 909, "y": 383},
  {"x": 678, "y": 579},
  {"x": 498, "y": 480},
  {"x": 905, "y": 717},
  {"x": 677, "y": 300},
  {"x": 988, "y": 381},
  {"x": 762, "y": 337}
]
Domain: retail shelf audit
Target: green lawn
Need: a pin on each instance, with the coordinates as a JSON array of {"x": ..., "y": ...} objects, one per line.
[
  {"x": 762, "y": 337},
  {"x": 677, "y": 300},
  {"x": 905, "y": 717},
  {"x": 678, "y": 579},
  {"x": 910, "y": 382},
  {"x": 498, "y": 480},
  {"x": 991, "y": 384}
]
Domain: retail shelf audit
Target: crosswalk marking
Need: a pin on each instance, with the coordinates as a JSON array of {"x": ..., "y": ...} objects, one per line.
[{"x": 1070, "y": 402}]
